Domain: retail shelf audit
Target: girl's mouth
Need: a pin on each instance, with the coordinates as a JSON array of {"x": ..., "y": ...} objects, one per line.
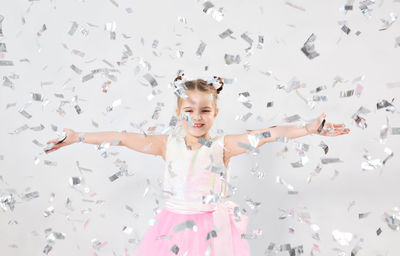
[{"x": 198, "y": 125}]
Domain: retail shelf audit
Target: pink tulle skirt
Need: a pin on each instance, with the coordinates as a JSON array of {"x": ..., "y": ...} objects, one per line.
[{"x": 161, "y": 239}]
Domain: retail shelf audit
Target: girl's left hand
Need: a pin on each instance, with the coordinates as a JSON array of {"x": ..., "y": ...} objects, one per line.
[{"x": 329, "y": 129}]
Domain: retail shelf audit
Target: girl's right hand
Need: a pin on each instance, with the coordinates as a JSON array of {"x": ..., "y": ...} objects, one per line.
[{"x": 71, "y": 138}]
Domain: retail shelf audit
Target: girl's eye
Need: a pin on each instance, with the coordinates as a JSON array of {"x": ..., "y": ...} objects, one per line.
[{"x": 203, "y": 111}]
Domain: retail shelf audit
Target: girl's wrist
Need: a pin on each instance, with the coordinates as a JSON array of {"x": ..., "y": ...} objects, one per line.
[
  {"x": 307, "y": 131},
  {"x": 80, "y": 137}
]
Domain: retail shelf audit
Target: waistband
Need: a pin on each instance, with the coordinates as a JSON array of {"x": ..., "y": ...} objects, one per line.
[{"x": 223, "y": 216}]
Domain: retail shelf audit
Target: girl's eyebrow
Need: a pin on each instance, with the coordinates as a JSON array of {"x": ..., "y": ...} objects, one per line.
[{"x": 202, "y": 107}]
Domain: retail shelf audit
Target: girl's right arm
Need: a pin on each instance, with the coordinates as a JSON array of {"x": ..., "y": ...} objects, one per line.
[{"x": 149, "y": 144}]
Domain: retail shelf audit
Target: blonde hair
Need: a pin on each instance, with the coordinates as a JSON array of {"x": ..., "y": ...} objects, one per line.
[{"x": 202, "y": 86}]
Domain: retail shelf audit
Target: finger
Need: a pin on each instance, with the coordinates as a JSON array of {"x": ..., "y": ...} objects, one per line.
[{"x": 338, "y": 125}]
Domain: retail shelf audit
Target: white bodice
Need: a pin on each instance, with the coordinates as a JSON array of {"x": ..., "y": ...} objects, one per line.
[{"x": 191, "y": 175}]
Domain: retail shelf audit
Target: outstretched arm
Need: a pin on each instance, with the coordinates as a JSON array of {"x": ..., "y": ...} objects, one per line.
[
  {"x": 233, "y": 141},
  {"x": 149, "y": 144}
]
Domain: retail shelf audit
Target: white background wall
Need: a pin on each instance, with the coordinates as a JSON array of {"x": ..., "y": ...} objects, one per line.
[{"x": 371, "y": 55}]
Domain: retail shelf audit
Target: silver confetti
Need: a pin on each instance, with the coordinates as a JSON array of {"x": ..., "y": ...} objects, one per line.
[
  {"x": 200, "y": 49},
  {"x": 395, "y": 131},
  {"x": 87, "y": 77},
  {"x": 342, "y": 238},
  {"x": 230, "y": 59},
  {"x": 175, "y": 249},
  {"x": 260, "y": 42},
  {"x": 7, "y": 201},
  {"x": 346, "y": 29},
  {"x": 324, "y": 147},
  {"x": 329, "y": 160},
  {"x": 292, "y": 118},
  {"x": 37, "y": 143},
  {"x": 363, "y": 215},
  {"x": 150, "y": 79},
  {"x": 1, "y": 25},
  {"x": 30, "y": 196},
  {"x": 73, "y": 28},
  {"x": 308, "y": 47},
  {"x": 6, "y": 63},
  {"x": 226, "y": 33},
  {"x": 189, "y": 224},
  {"x": 24, "y": 113},
  {"x": 386, "y": 105},
  {"x": 392, "y": 218},
  {"x": 246, "y": 38},
  {"x": 211, "y": 234},
  {"x": 205, "y": 142},
  {"x": 47, "y": 249},
  {"x": 348, "y": 93},
  {"x": 387, "y": 23},
  {"x": 76, "y": 69},
  {"x": 8, "y": 83},
  {"x": 188, "y": 119}
]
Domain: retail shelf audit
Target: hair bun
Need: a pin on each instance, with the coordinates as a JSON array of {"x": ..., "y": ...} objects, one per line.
[
  {"x": 179, "y": 77},
  {"x": 221, "y": 82}
]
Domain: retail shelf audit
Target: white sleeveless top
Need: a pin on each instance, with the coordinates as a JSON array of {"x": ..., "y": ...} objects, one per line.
[{"x": 191, "y": 175}]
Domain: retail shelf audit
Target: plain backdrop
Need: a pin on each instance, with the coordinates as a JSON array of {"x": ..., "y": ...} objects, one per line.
[{"x": 117, "y": 213}]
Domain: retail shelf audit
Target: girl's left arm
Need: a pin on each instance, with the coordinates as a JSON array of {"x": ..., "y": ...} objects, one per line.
[{"x": 232, "y": 141}]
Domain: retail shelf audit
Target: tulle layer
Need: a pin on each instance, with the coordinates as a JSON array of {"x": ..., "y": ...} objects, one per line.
[{"x": 161, "y": 239}]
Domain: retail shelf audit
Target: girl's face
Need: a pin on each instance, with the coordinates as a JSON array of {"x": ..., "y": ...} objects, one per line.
[{"x": 199, "y": 108}]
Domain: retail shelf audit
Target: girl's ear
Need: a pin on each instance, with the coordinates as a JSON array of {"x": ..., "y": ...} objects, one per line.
[
  {"x": 177, "y": 112},
  {"x": 216, "y": 112}
]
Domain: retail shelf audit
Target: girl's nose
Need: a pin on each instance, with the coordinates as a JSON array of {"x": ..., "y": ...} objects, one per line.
[{"x": 196, "y": 116}]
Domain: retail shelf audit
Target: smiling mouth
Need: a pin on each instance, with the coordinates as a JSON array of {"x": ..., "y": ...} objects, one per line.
[{"x": 198, "y": 125}]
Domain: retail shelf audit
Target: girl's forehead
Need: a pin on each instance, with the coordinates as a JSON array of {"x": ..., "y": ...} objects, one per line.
[{"x": 201, "y": 99}]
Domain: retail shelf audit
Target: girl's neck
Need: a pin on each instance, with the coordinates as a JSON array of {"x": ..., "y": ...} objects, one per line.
[{"x": 194, "y": 140}]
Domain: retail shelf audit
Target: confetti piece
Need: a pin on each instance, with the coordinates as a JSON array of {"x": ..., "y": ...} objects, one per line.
[
  {"x": 392, "y": 218},
  {"x": 387, "y": 23},
  {"x": 348, "y": 93},
  {"x": 189, "y": 224},
  {"x": 386, "y": 105},
  {"x": 342, "y": 238},
  {"x": 211, "y": 234},
  {"x": 150, "y": 79},
  {"x": 200, "y": 49},
  {"x": 44, "y": 28},
  {"x": 73, "y": 28},
  {"x": 7, "y": 202},
  {"x": 296, "y": 6},
  {"x": 175, "y": 249},
  {"x": 252, "y": 205},
  {"x": 246, "y": 38},
  {"x": 205, "y": 142},
  {"x": 321, "y": 126},
  {"x": 346, "y": 29},
  {"x": 292, "y": 118},
  {"x": 227, "y": 33},
  {"x": 231, "y": 59},
  {"x": 48, "y": 211},
  {"x": 363, "y": 215},
  {"x": 6, "y": 63},
  {"x": 289, "y": 187},
  {"x": 329, "y": 160},
  {"x": 324, "y": 147},
  {"x": 208, "y": 8},
  {"x": 47, "y": 249},
  {"x": 308, "y": 47}
]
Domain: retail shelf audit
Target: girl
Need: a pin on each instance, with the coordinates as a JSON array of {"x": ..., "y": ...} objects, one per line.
[{"x": 197, "y": 220}]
